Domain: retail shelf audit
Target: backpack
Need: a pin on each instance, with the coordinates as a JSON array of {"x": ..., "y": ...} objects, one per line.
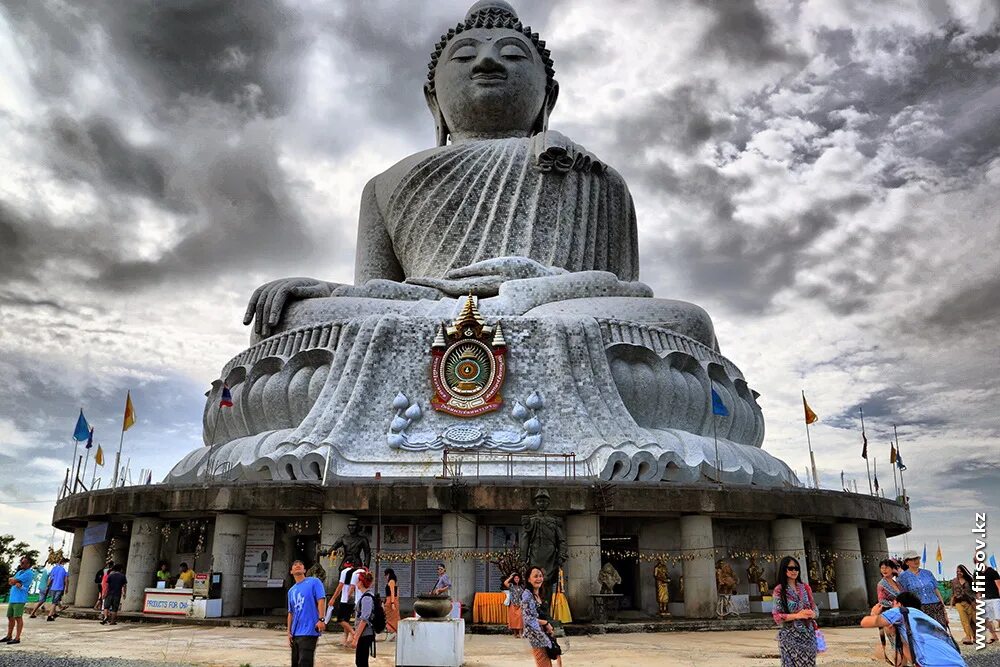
[{"x": 377, "y": 620}]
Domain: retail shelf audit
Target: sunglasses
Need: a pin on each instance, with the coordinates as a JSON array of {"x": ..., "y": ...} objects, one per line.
[{"x": 792, "y": 568}]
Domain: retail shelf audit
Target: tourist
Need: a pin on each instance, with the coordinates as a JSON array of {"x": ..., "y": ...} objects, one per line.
[
  {"x": 114, "y": 590},
  {"x": 306, "y": 610},
  {"x": 103, "y": 591},
  {"x": 99, "y": 580},
  {"x": 363, "y": 639},
  {"x": 443, "y": 584},
  {"x": 922, "y": 583},
  {"x": 794, "y": 611},
  {"x": 391, "y": 605},
  {"x": 185, "y": 578},
  {"x": 56, "y": 587},
  {"x": 964, "y": 601},
  {"x": 887, "y": 590},
  {"x": 992, "y": 602},
  {"x": 17, "y": 598},
  {"x": 163, "y": 573},
  {"x": 344, "y": 602},
  {"x": 40, "y": 584},
  {"x": 915, "y": 633},
  {"x": 514, "y": 590},
  {"x": 537, "y": 631}
]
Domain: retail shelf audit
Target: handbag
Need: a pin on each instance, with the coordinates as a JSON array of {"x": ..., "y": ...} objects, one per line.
[
  {"x": 555, "y": 650},
  {"x": 820, "y": 637}
]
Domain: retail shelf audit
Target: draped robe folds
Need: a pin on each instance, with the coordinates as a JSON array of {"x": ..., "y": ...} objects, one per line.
[{"x": 484, "y": 199}]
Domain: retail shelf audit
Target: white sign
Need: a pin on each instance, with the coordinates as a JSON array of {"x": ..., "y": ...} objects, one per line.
[
  {"x": 260, "y": 533},
  {"x": 257, "y": 564},
  {"x": 164, "y": 602}
]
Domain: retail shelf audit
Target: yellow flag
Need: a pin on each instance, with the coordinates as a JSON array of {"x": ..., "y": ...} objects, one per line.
[
  {"x": 129, "y": 420},
  {"x": 810, "y": 415},
  {"x": 939, "y": 558},
  {"x": 99, "y": 456}
]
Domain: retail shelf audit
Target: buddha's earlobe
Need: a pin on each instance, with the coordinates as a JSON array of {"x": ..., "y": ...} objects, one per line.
[
  {"x": 440, "y": 126},
  {"x": 542, "y": 122}
]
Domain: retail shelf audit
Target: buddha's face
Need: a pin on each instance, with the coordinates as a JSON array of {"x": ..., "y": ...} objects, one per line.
[{"x": 490, "y": 82}]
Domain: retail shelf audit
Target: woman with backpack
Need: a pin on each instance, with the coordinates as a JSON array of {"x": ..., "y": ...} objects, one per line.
[
  {"x": 369, "y": 620},
  {"x": 795, "y": 612}
]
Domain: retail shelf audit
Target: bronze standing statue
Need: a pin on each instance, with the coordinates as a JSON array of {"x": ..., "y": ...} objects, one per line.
[
  {"x": 755, "y": 575},
  {"x": 543, "y": 541},
  {"x": 357, "y": 550}
]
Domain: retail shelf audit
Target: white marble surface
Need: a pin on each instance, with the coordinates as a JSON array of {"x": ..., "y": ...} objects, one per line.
[{"x": 438, "y": 643}]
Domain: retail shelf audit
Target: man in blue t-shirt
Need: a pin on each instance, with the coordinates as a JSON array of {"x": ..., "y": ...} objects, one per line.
[
  {"x": 306, "y": 609},
  {"x": 18, "y": 597},
  {"x": 933, "y": 644}
]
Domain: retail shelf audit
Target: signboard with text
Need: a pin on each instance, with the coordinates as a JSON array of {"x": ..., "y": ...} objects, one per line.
[{"x": 166, "y": 602}]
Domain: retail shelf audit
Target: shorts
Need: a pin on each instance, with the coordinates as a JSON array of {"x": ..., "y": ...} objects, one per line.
[
  {"x": 344, "y": 612},
  {"x": 15, "y": 610},
  {"x": 56, "y": 596},
  {"x": 993, "y": 610},
  {"x": 112, "y": 603}
]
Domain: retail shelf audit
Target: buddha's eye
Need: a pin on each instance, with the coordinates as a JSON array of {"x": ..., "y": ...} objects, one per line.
[
  {"x": 512, "y": 51},
  {"x": 464, "y": 53}
]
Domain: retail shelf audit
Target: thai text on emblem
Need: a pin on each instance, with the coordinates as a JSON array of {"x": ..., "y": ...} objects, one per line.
[{"x": 468, "y": 364}]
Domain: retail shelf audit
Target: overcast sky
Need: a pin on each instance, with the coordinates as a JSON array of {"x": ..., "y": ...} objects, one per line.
[{"x": 821, "y": 176}]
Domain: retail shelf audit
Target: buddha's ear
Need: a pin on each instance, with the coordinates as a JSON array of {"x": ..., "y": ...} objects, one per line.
[
  {"x": 440, "y": 126},
  {"x": 542, "y": 122}
]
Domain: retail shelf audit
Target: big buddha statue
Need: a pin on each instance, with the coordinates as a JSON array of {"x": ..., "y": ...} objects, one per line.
[{"x": 495, "y": 307}]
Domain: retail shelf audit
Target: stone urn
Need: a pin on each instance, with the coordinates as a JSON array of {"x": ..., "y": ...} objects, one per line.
[{"x": 431, "y": 606}]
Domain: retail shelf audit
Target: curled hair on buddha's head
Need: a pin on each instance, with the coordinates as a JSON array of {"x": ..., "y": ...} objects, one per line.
[{"x": 493, "y": 14}]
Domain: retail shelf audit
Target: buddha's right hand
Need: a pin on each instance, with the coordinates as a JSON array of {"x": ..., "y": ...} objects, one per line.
[{"x": 269, "y": 300}]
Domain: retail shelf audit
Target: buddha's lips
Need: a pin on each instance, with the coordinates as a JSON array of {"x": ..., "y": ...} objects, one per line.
[{"x": 489, "y": 77}]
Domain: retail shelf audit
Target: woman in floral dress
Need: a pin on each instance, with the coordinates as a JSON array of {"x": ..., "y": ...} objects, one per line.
[
  {"x": 536, "y": 631},
  {"x": 794, "y": 611},
  {"x": 516, "y": 589}
]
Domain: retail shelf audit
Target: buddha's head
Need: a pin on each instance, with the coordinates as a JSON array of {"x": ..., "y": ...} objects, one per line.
[{"x": 490, "y": 77}]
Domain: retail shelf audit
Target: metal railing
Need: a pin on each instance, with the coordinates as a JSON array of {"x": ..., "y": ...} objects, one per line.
[{"x": 454, "y": 461}]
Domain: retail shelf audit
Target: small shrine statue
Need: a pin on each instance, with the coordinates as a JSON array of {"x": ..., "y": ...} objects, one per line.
[
  {"x": 608, "y": 578},
  {"x": 680, "y": 588},
  {"x": 725, "y": 579},
  {"x": 662, "y": 577},
  {"x": 755, "y": 575},
  {"x": 829, "y": 578},
  {"x": 814, "y": 577}
]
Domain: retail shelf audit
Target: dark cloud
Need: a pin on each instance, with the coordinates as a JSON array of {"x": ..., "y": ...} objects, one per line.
[
  {"x": 745, "y": 35},
  {"x": 975, "y": 307},
  {"x": 95, "y": 150},
  {"x": 226, "y": 50}
]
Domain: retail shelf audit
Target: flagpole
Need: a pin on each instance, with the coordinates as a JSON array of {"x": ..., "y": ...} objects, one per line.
[
  {"x": 812, "y": 457},
  {"x": 211, "y": 444},
  {"x": 93, "y": 476},
  {"x": 902, "y": 484},
  {"x": 871, "y": 492},
  {"x": 85, "y": 463},
  {"x": 892, "y": 464}
]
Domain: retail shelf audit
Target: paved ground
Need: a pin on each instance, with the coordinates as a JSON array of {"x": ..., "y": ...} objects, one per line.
[{"x": 50, "y": 644}]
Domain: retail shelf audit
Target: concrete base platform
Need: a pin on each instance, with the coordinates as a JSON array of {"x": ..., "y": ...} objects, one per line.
[{"x": 430, "y": 643}]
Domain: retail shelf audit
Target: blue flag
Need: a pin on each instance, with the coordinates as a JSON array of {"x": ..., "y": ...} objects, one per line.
[
  {"x": 993, "y": 561},
  {"x": 90, "y": 438},
  {"x": 82, "y": 430},
  {"x": 899, "y": 461},
  {"x": 924, "y": 559},
  {"x": 718, "y": 407}
]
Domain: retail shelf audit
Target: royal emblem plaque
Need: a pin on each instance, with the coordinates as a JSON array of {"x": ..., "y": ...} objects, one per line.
[{"x": 468, "y": 364}]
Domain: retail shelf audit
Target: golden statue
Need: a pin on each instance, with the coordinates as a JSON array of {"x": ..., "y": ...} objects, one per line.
[
  {"x": 829, "y": 578},
  {"x": 814, "y": 577},
  {"x": 662, "y": 587},
  {"x": 680, "y": 589},
  {"x": 755, "y": 575},
  {"x": 725, "y": 579}
]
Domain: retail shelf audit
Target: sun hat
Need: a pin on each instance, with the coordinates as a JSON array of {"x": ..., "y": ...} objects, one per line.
[{"x": 910, "y": 555}]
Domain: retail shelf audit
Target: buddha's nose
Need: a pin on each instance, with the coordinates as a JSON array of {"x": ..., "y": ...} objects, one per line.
[{"x": 487, "y": 62}]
